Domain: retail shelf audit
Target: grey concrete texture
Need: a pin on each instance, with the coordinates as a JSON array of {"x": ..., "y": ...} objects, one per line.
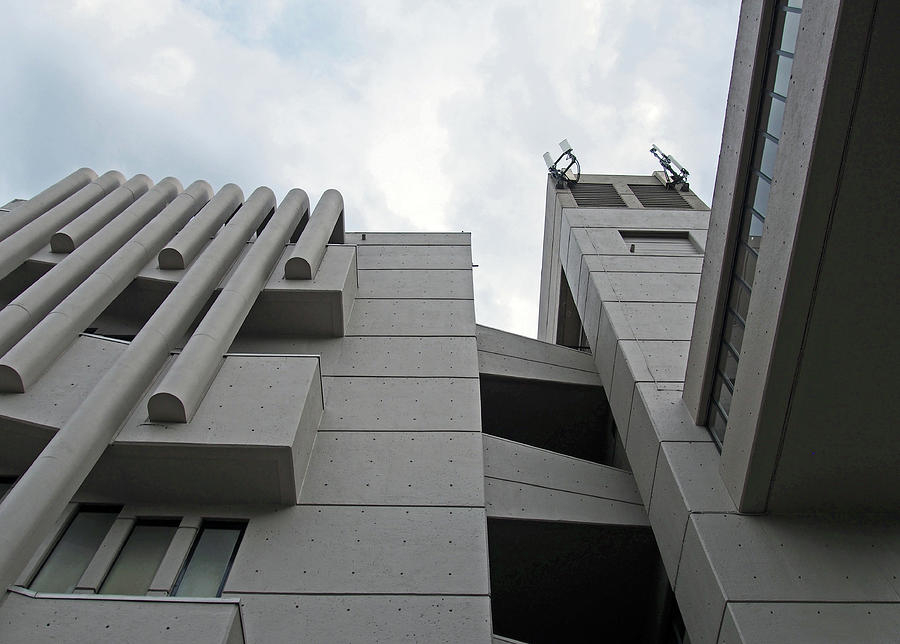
[
  {"x": 408, "y": 239},
  {"x": 40, "y": 494},
  {"x": 16, "y": 248},
  {"x": 84, "y": 618},
  {"x": 45, "y": 200},
  {"x": 22, "y": 365},
  {"x": 178, "y": 396},
  {"x": 325, "y": 224},
  {"x": 28, "y": 308},
  {"x": 76, "y": 232},
  {"x": 186, "y": 245}
]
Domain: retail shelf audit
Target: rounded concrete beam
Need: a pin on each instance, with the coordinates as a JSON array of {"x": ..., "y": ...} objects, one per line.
[
  {"x": 179, "y": 252},
  {"x": 326, "y": 220},
  {"x": 39, "y": 298},
  {"x": 32, "y": 356},
  {"x": 73, "y": 234},
  {"x": 31, "y": 507},
  {"x": 45, "y": 200},
  {"x": 181, "y": 391},
  {"x": 33, "y": 236}
]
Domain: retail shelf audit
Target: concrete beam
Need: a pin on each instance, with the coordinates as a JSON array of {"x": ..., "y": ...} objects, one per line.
[
  {"x": 326, "y": 224},
  {"x": 187, "y": 244},
  {"x": 179, "y": 394},
  {"x": 45, "y": 200}
]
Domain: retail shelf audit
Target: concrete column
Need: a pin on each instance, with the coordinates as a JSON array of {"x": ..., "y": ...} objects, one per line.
[
  {"x": 23, "y": 243},
  {"x": 181, "y": 391},
  {"x": 44, "y": 201},
  {"x": 26, "y": 362},
  {"x": 31, "y": 507},
  {"x": 326, "y": 223},
  {"x": 76, "y": 232},
  {"x": 20, "y": 315},
  {"x": 179, "y": 252}
]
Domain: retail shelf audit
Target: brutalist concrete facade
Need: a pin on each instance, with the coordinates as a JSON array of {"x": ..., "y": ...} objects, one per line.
[{"x": 399, "y": 473}]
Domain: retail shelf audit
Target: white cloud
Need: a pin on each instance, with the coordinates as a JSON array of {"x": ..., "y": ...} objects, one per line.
[{"x": 426, "y": 115}]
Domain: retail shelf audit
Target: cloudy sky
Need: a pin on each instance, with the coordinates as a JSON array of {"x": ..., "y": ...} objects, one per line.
[{"x": 425, "y": 115}]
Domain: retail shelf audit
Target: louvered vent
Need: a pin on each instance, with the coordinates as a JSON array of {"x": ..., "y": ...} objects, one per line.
[
  {"x": 596, "y": 195},
  {"x": 659, "y": 197}
]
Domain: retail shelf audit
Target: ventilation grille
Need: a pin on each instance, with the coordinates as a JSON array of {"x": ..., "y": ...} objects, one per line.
[
  {"x": 596, "y": 195},
  {"x": 659, "y": 197}
]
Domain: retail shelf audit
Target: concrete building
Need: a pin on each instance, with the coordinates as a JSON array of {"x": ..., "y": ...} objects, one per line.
[{"x": 229, "y": 420}]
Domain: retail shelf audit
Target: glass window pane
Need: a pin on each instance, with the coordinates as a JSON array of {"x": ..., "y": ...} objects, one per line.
[
  {"x": 761, "y": 196},
  {"x": 74, "y": 551},
  {"x": 766, "y": 155},
  {"x": 204, "y": 574},
  {"x": 791, "y": 29},
  {"x": 740, "y": 299},
  {"x": 745, "y": 264},
  {"x": 139, "y": 559},
  {"x": 717, "y": 423},
  {"x": 733, "y": 331},
  {"x": 782, "y": 75},
  {"x": 776, "y": 116},
  {"x": 728, "y": 364},
  {"x": 721, "y": 393}
]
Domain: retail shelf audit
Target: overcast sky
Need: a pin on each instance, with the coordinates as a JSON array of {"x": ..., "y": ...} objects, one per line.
[{"x": 425, "y": 115}]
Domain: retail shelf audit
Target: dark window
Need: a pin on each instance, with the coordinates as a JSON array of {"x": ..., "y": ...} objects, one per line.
[
  {"x": 140, "y": 557},
  {"x": 75, "y": 549},
  {"x": 210, "y": 559}
]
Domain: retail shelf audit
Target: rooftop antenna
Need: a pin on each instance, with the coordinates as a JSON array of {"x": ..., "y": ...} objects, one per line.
[
  {"x": 676, "y": 174},
  {"x": 562, "y": 175}
]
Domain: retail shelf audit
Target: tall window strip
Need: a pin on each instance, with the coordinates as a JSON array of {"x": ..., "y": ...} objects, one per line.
[{"x": 755, "y": 209}]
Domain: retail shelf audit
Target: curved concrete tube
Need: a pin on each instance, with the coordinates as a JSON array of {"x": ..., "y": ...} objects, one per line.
[
  {"x": 326, "y": 223},
  {"x": 23, "y": 243},
  {"x": 31, "y": 507},
  {"x": 179, "y": 252},
  {"x": 39, "y": 298},
  {"x": 76, "y": 232},
  {"x": 181, "y": 391},
  {"x": 45, "y": 200},
  {"x": 32, "y": 356}
]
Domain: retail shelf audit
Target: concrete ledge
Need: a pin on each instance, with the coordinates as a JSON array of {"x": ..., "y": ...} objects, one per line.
[{"x": 40, "y": 617}]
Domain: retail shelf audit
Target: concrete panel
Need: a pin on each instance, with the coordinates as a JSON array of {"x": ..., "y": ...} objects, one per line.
[
  {"x": 606, "y": 241},
  {"x": 645, "y": 264},
  {"x": 365, "y": 619},
  {"x": 630, "y": 367},
  {"x": 659, "y": 320},
  {"x": 499, "y": 365},
  {"x": 435, "y": 284},
  {"x": 459, "y": 257},
  {"x": 654, "y": 287},
  {"x": 701, "y": 599},
  {"x": 352, "y": 549},
  {"x": 644, "y": 219},
  {"x": 510, "y": 344},
  {"x": 797, "y": 558},
  {"x": 810, "y": 623},
  {"x": 51, "y": 400},
  {"x": 512, "y": 500},
  {"x": 450, "y": 404},
  {"x": 92, "y": 618},
  {"x": 590, "y": 321},
  {"x": 395, "y": 468},
  {"x": 412, "y": 317},
  {"x": 409, "y": 239},
  {"x": 686, "y": 480},
  {"x": 512, "y": 461},
  {"x": 405, "y": 356}
]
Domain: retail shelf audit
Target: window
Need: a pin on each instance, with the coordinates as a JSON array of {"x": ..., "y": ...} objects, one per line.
[
  {"x": 209, "y": 562},
  {"x": 132, "y": 569},
  {"x": 140, "y": 557},
  {"x": 74, "y": 550},
  {"x": 755, "y": 210},
  {"x": 659, "y": 242}
]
